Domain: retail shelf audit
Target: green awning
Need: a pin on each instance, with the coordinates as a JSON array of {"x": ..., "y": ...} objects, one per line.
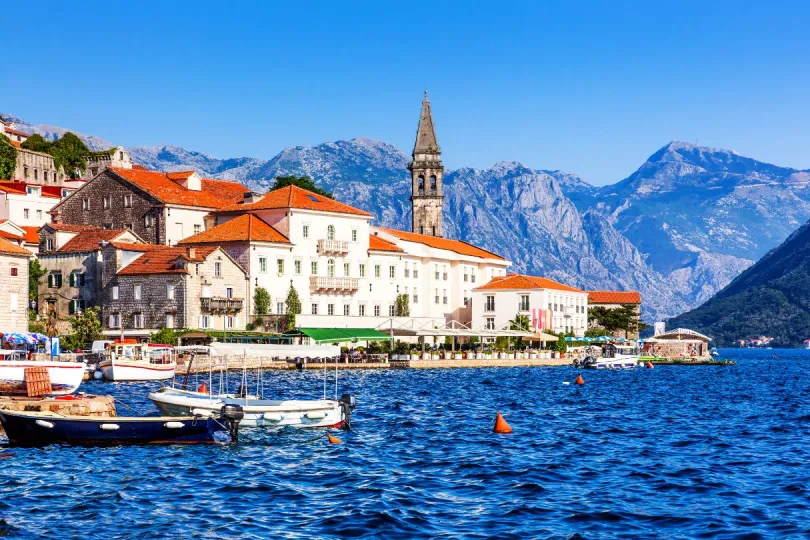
[{"x": 339, "y": 335}]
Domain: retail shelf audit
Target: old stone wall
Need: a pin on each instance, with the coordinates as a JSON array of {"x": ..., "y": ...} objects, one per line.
[
  {"x": 105, "y": 207},
  {"x": 37, "y": 168},
  {"x": 13, "y": 293},
  {"x": 65, "y": 264},
  {"x": 204, "y": 282},
  {"x": 154, "y": 304}
]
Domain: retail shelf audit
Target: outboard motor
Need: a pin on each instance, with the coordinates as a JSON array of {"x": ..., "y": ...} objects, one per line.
[
  {"x": 233, "y": 414},
  {"x": 299, "y": 363},
  {"x": 347, "y": 402}
]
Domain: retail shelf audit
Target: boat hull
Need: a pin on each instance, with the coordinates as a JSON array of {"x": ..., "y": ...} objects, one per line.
[
  {"x": 128, "y": 370},
  {"x": 258, "y": 412},
  {"x": 65, "y": 376},
  {"x": 37, "y": 429}
]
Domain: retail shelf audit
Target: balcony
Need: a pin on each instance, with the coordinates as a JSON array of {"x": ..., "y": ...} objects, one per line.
[
  {"x": 332, "y": 246},
  {"x": 333, "y": 284},
  {"x": 219, "y": 304}
]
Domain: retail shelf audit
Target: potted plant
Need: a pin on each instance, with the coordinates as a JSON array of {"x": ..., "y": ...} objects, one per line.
[
  {"x": 561, "y": 346},
  {"x": 414, "y": 354}
]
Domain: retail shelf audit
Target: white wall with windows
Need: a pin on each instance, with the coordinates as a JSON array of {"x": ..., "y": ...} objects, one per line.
[{"x": 495, "y": 308}]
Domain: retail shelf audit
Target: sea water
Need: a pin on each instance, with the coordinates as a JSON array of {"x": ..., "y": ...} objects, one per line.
[{"x": 675, "y": 451}]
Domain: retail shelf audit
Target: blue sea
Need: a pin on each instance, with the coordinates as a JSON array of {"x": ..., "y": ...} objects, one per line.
[{"x": 676, "y": 451}]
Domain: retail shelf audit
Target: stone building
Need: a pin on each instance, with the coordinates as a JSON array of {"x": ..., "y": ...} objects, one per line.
[
  {"x": 13, "y": 287},
  {"x": 101, "y": 161},
  {"x": 427, "y": 192},
  {"x": 162, "y": 208},
  {"x": 38, "y": 168},
  {"x": 72, "y": 261},
  {"x": 148, "y": 287},
  {"x": 617, "y": 299}
]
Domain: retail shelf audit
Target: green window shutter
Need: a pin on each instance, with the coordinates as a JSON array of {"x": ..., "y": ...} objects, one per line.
[
  {"x": 50, "y": 280},
  {"x": 72, "y": 280},
  {"x": 58, "y": 280},
  {"x": 72, "y": 307}
]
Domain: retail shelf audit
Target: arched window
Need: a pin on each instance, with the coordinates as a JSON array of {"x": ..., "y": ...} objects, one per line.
[
  {"x": 330, "y": 267},
  {"x": 432, "y": 183},
  {"x": 421, "y": 183},
  {"x": 330, "y": 232}
]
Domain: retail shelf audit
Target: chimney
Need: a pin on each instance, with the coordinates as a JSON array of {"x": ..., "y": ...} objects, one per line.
[
  {"x": 192, "y": 253},
  {"x": 251, "y": 197}
]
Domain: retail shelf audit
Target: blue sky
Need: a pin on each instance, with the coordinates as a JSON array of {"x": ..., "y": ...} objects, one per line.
[{"x": 592, "y": 88}]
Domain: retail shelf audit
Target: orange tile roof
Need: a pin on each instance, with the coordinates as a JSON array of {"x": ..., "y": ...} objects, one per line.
[
  {"x": 31, "y": 234},
  {"x": 520, "y": 282},
  {"x": 614, "y": 297},
  {"x": 88, "y": 240},
  {"x": 17, "y": 132},
  {"x": 375, "y": 243},
  {"x": 457, "y": 246},
  {"x": 244, "y": 228},
  {"x": 135, "y": 246},
  {"x": 16, "y": 144},
  {"x": 15, "y": 188},
  {"x": 162, "y": 260},
  {"x": 296, "y": 197},
  {"x": 10, "y": 236},
  {"x": 8, "y": 248},
  {"x": 214, "y": 193}
]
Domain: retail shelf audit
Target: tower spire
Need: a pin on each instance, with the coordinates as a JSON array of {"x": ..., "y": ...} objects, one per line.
[{"x": 427, "y": 192}]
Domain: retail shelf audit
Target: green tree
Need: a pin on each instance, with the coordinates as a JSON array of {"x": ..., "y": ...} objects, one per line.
[
  {"x": 293, "y": 305},
  {"x": 402, "y": 307},
  {"x": 304, "y": 182},
  {"x": 261, "y": 301},
  {"x": 8, "y": 158},
  {"x": 86, "y": 328},
  {"x": 37, "y": 143},
  {"x": 521, "y": 324},
  {"x": 70, "y": 154},
  {"x": 35, "y": 273},
  {"x": 561, "y": 346},
  {"x": 166, "y": 336}
]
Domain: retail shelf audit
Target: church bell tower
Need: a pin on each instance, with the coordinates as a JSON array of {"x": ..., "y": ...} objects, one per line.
[{"x": 427, "y": 193}]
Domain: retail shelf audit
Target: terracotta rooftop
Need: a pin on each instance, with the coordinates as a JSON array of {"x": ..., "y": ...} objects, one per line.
[
  {"x": 456, "y": 246},
  {"x": 18, "y": 187},
  {"x": 163, "y": 260},
  {"x": 614, "y": 297},
  {"x": 375, "y": 243},
  {"x": 17, "y": 132},
  {"x": 296, "y": 197},
  {"x": 163, "y": 186},
  {"x": 15, "y": 188},
  {"x": 520, "y": 282},
  {"x": 88, "y": 240},
  {"x": 31, "y": 234},
  {"x": 8, "y": 248},
  {"x": 244, "y": 228}
]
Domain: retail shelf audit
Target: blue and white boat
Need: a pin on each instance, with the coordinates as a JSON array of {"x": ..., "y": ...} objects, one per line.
[{"x": 35, "y": 428}]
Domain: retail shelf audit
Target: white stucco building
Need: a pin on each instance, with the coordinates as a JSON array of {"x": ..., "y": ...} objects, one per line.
[{"x": 547, "y": 304}]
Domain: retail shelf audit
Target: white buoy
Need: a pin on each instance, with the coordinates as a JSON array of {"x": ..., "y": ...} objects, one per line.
[
  {"x": 566, "y": 382},
  {"x": 98, "y": 375}
]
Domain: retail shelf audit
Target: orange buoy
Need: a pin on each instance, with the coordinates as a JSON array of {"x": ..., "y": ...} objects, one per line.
[
  {"x": 649, "y": 365},
  {"x": 500, "y": 425},
  {"x": 579, "y": 380},
  {"x": 332, "y": 439},
  {"x": 203, "y": 389}
]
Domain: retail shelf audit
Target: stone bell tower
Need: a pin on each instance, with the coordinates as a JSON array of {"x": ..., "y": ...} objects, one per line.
[{"x": 427, "y": 193}]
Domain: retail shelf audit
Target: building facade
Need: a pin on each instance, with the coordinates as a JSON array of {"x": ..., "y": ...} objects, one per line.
[
  {"x": 13, "y": 287},
  {"x": 162, "y": 208},
  {"x": 546, "y": 304},
  {"x": 614, "y": 300},
  {"x": 427, "y": 191},
  {"x": 146, "y": 288},
  {"x": 73, "y": 270},
  {"x": 346, "y": 272}
]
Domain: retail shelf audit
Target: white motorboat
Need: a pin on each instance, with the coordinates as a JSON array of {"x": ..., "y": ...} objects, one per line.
[
  {"x": 614, "y": 356},
  {"x": 65, "y": 377},
  {"x": 258, "y": 412},
  {"x": 138, "y": 362}
]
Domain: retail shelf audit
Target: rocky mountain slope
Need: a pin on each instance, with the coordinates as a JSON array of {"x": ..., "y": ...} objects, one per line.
[
  {"x": 770, "y": 298},
  {"x": 52, "y": 133}
]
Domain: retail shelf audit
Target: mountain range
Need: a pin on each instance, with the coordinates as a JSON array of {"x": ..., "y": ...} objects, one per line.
[
  {"x": 770, "y": 298},
  {"x": 678, "y": 229}
]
